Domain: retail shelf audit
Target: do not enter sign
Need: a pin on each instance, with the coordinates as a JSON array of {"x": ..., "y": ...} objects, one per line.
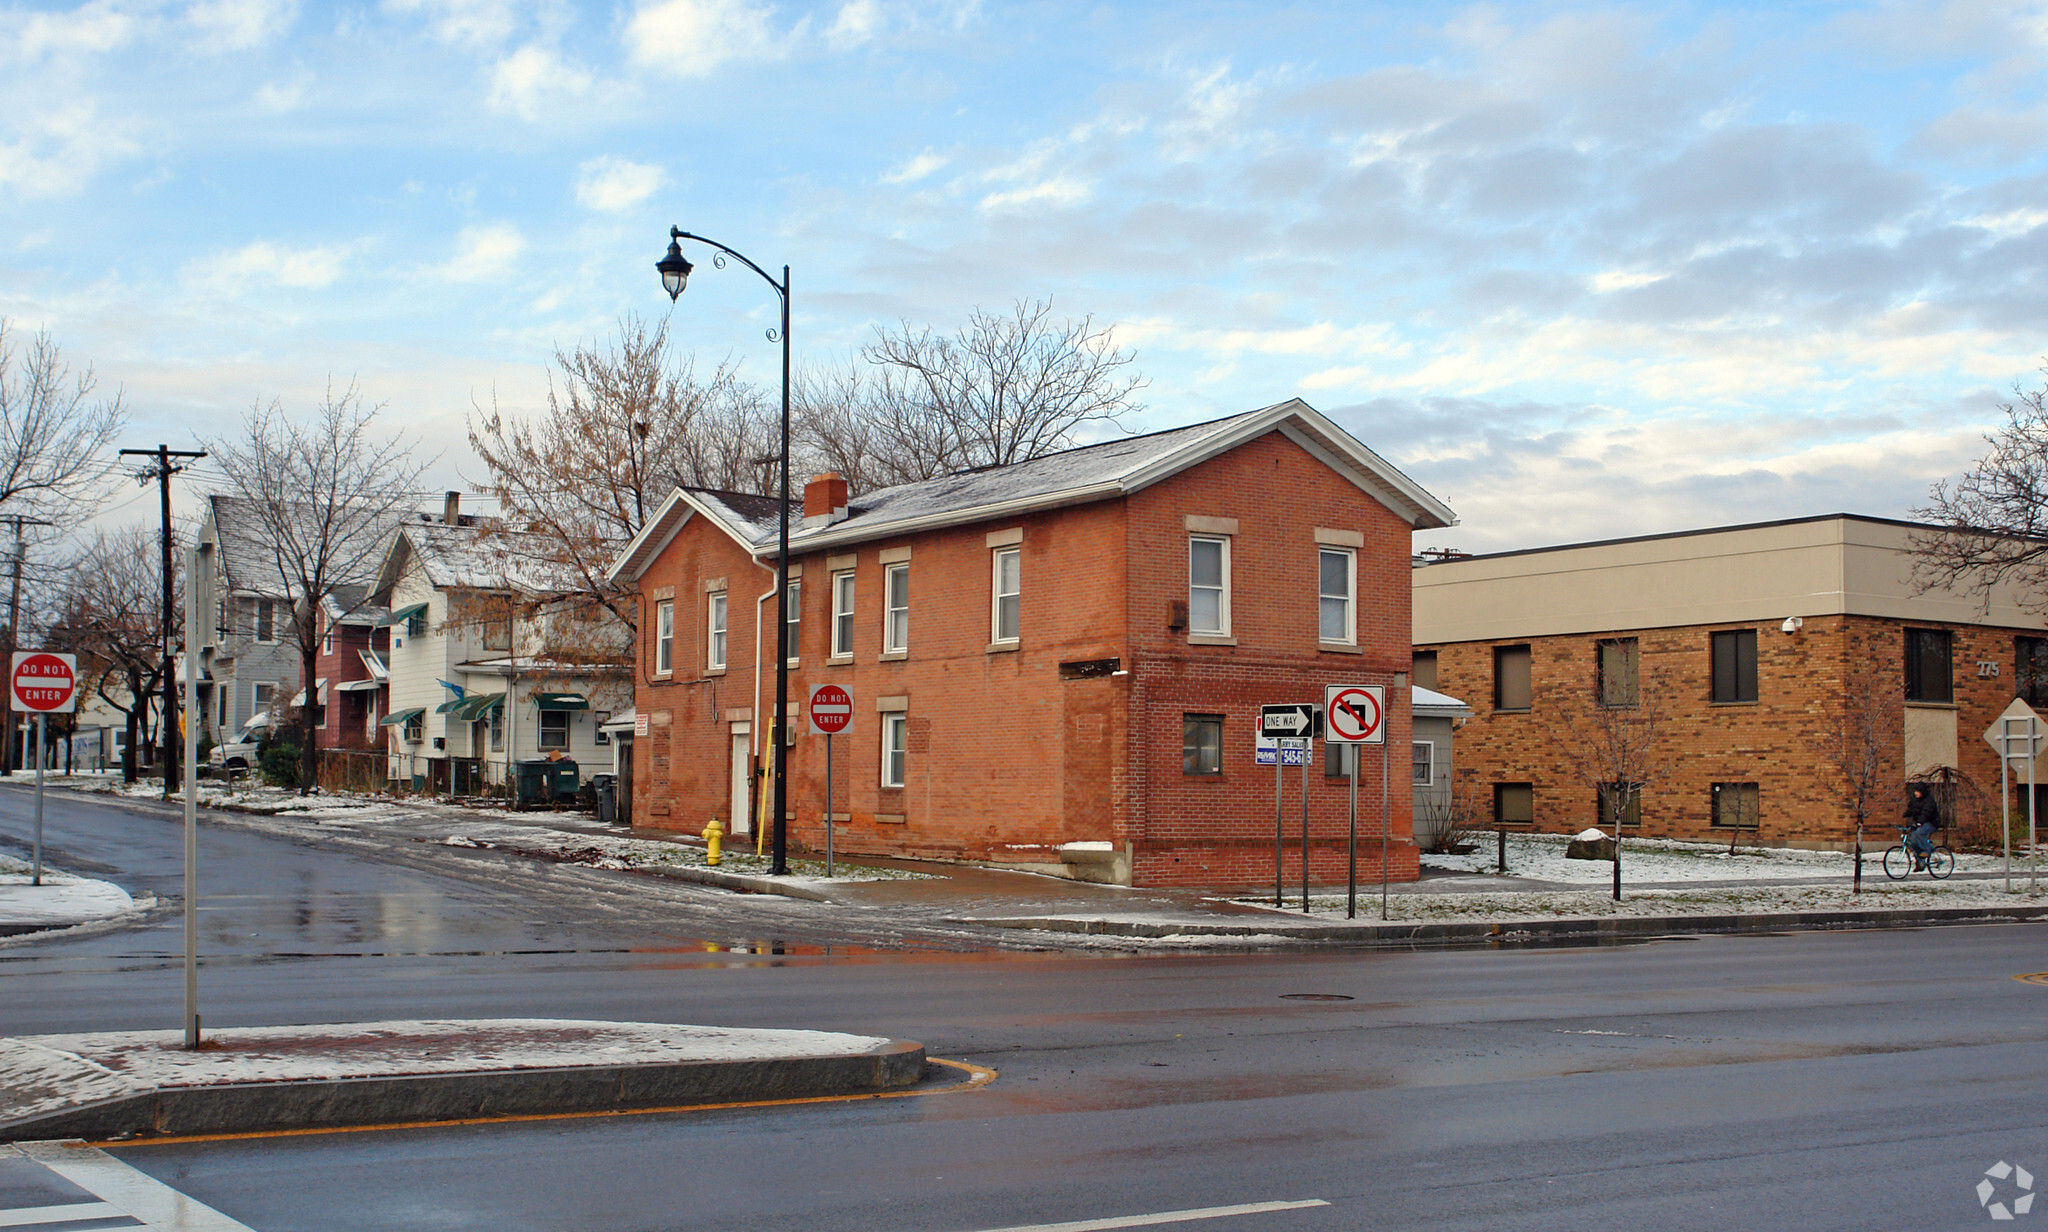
[
  {"x": 830, "y": 710},
  {"x": 1355, "y": 713},
  {"x": 44, "y": 683}
]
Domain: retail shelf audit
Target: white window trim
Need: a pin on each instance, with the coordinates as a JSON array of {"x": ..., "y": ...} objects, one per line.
[
  {"x": 1350, "y": 556},
  {"x": 717, "y": 619},
  {"x": 540, "y": 729},
  {"x": 665, "y": 637},
  {"x": 842, "y": 646},
  {"x": 996, "y": 596},
  {"x": 889, "y": 575},
  {"x": 1429, "y": 778},
  {"x": 895, "y": 724},
  {"x": 1223, "y": 604}
]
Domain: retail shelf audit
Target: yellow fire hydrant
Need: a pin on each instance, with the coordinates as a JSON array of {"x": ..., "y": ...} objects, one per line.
[{"x": 712, "y": 834}]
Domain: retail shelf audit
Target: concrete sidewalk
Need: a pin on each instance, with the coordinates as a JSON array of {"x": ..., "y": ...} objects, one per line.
[{"x": 132, "y": 1083}]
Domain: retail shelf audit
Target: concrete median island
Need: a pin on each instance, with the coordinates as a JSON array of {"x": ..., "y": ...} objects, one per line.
[{"x": 120, "y": 1084}]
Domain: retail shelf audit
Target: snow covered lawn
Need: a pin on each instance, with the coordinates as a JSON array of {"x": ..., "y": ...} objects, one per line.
[
  {"x": 654, "y": 855},
  {"x": 1646, "y": 861},
  {"x": 61, "y": 901},
  {"x": 1918, "y": 894}
]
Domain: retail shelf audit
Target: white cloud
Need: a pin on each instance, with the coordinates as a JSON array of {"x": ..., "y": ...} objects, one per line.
[
  {"x": 858, "y": 22},
  {"x": 695, "y": 38},
  {"x": 1057, "y": 193},
  {"x": 274, "y": 264},
  {"x": 483, "y": 253},
  {"x": 99, "y": 26},
  {"x": 236, "y": 25},
  {"x": 467, "y": 23},
  {"x": 58, "y": 152},
  {"x": 279, "y": 97},
  {"x": 916, "y": 169},
  {"x": 614, "y": 184},
  {"x": 529, "y": 79}
]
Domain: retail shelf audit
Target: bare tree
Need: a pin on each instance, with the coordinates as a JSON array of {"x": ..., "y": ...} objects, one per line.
[
  {"x": 1994, "y": 519},
  {"x": 53, "y": 433},
  {"x": 321, "y": 497},
  {"x": 1857, "y": 742},
  {"x": 1005, "y": 388},
  {"x": 109, "y": 613},
  {"x": 1611, "y": 720},
  {"x": 624, "y": 426}
]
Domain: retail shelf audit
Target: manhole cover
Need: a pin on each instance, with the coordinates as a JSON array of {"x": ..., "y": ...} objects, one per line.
[
  {"x": 2033, "y": 977},
  {"x": 1338, "y": 996}
]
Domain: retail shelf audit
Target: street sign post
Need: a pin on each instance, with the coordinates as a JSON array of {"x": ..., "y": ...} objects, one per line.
[
  {"x": 1357, "y": 714},
  {"x": 1293, "y": 720},
  {"x": 2018, "y": 734},
  {"x": 831, "y": 710},
  {"x": 1291, "y": 728},
  {"x": 42, "y": 684}
]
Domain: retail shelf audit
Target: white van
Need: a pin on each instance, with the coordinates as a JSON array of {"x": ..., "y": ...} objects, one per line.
[{"x": 240, "y": 751}]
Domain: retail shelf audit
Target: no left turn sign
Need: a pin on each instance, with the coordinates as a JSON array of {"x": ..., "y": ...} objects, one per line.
[
  {"x": 43, "y": 683},
  {"x": 1355, "y": 714}
]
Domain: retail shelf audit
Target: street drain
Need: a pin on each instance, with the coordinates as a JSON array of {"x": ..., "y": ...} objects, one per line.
[
  {"x": 1338, "y": 996},
  {"x": 2033, "y": 977}
]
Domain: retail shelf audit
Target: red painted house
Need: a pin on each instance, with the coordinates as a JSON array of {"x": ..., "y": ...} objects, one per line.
[
  {"x": 353, "y": 679},
  {"x": 1055, "y": 665}
]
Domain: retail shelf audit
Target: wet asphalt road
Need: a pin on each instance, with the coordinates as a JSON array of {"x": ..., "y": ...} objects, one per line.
[{"x": 1855, "y": 1080}]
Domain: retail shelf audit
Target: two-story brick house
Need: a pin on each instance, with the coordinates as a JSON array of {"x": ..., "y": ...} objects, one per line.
[
  {"x": 1057, "y": 664},
  {"x": 461, "y": 642}
]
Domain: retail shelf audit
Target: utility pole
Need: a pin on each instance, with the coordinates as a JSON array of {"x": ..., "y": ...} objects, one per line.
[
  {"x": 162, "y": 473},
  {"x": 7, "y": 747}
]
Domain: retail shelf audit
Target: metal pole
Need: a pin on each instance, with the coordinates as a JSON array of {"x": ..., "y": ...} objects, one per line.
[
  {"x": 1279, "y": 826},
  {"x": 1351, "y": 883},
  {"x": 2033, "y": 802},
  {"x": 14, "y": 644},
  {"x": 37, "y": 879},
  {"x": 194, "y": 561},
  {"x": 1386, "y": 806},
  {"x": 1307, "y": 754},
  {"x": 828, "y": 804},
  {"x": 781, "y": 862},
  {"x": 2005, "y": 795}
]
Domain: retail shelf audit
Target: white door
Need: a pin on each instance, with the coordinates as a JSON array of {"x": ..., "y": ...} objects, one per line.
[{"x": 742, "y": 778}]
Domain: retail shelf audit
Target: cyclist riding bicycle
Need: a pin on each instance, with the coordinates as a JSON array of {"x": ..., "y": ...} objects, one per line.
[{"x": 1926, "y": 817}]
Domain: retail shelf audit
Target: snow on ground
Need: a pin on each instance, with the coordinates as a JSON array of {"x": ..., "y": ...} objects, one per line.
[
  {"x": 380, "y": 1049},
  {"x": 654, "y": 855},
  {"x": 1541, "y": 857},
  {"x": 1917, "y": 894},
  {"x": 61, "y": 901}
]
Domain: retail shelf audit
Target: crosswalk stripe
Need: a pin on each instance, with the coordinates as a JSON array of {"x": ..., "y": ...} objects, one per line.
[
  {"x": 126, "y": 1190},
  {"x": 30, "y": 1216}
]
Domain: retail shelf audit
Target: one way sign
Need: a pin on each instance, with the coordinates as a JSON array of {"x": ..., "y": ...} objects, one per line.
[{"x": 1302, "y": 719}]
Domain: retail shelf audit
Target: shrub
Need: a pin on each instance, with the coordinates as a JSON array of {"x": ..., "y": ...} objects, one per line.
[{"x": 280, "y": 765}]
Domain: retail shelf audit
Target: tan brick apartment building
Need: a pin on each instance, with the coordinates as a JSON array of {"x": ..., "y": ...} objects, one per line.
[
  {"x": 1056, "y": 664},
  {"x": 1746, "y": 637}
]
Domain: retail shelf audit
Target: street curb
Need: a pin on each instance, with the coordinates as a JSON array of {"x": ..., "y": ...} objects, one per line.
[
  {"x": 343, "y": 1102},
  {"x": 1468, "y": 931}
]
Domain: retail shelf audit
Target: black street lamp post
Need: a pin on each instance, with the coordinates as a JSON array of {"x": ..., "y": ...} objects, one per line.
[{"x": 675, "y": 274}]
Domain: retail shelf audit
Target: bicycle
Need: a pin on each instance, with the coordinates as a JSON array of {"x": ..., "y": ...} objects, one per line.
[{"x": 1899, "y": 859}]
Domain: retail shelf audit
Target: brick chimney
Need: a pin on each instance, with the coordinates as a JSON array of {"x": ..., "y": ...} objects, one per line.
[
  {"x": 451, "y": 509},
  {"x": 824, "y": 500}
]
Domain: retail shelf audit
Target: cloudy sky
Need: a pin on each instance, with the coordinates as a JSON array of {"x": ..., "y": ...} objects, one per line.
[{"x": 1582, "y": 271}]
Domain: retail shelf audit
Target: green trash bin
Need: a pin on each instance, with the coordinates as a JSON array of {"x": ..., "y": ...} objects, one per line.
[
  {"x": 530, "y": 783},
  {"x": 565, "y": 780}
]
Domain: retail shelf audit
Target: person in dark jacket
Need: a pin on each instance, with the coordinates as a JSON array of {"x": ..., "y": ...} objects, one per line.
[{"x": 1925, "y": 815}]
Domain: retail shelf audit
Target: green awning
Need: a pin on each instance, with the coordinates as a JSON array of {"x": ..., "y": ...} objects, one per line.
[
  {"x": 473, "y": 708},
  {"x": 402, "y": 615},
  {"x": 401, "y": 717},
  {"x": 561, "y": 701}
]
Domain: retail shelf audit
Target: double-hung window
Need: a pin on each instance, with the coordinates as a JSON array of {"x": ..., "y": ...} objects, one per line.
[
  {"x": 795, "y": 619},
  {"x": 1201, "y": 745},
  {"x": 1336, "y": 582},
  {"x": 554, "y": 729},
  {"x": 896, "y": 609},
  {"x": 266, "y": 620},
  {"x": 842, "y": 614},
  {"x": 895, "y": 745},
  {"x": 1619, "y": 660},
  {"x": 714, "y": 652},
  {"x": 665, "y": 637},
  {"x": 1005, "y": 589},
  {"x": 1735, "y": 805},
  {"x": 1209, "y": 584},
  {"x": 1511, "y": 682}
]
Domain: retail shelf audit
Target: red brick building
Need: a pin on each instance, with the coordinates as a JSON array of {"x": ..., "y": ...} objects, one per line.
[
  {"x": 1055, "y": 665},
  {"x": 1749, "y": 642},
  {"x": 352, "y": 671}
]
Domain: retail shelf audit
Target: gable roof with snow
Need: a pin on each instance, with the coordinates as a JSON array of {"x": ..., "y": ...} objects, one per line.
[
  {"x": 477, "y": 555},
  {"x": 1071, "y": 477},
  {"x": 249, "y": 559}
]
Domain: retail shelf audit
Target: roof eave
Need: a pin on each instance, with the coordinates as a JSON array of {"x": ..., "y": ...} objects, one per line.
[{"x": 847, "y": 533}]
